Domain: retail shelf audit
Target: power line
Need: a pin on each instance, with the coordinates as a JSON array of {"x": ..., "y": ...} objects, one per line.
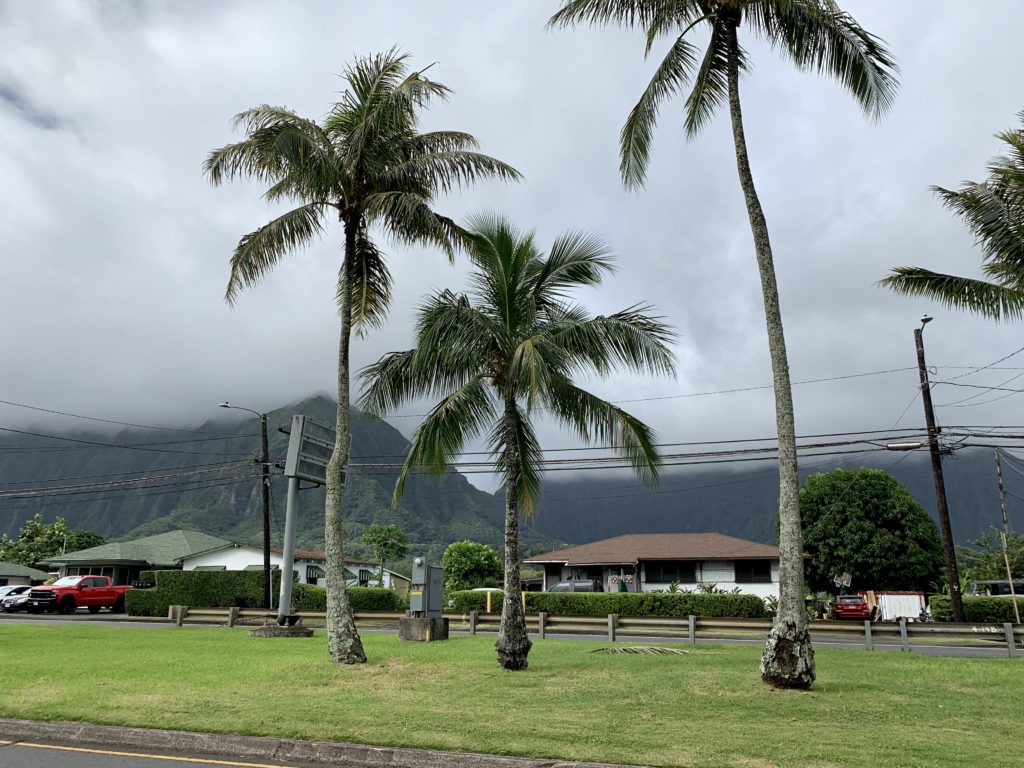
[
  {"x": 117, "y": 474},
  {"x": 982, "y": 368},
  {"x": 61, "y": 490},
  {"x": 138, "y": 447},
  {"x": 105, "y": 421}
]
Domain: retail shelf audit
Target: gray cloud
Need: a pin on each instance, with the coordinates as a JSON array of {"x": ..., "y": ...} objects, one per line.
[{"x": 115, "y": 249}]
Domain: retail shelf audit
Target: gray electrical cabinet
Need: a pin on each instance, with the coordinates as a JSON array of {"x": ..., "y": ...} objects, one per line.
[{"x": 426, "y": 592}]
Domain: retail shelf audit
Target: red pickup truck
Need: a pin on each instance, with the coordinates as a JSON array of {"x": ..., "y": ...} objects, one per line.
[{"x": 72, "y": 592}]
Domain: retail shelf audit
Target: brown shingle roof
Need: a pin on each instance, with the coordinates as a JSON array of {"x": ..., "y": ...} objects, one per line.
[{"x": 659, "y": 546}]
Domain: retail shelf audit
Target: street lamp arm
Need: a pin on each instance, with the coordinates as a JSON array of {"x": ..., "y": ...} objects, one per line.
[{"x": 226, "y": 404}]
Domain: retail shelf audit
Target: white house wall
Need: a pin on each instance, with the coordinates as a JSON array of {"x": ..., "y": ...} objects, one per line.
[
  {"x": 237, "y": 558},
  {"x": 721, "y": 573}
]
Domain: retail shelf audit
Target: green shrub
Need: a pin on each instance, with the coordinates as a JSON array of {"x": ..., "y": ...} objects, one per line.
[
  {"x": 242, "y": 589},
  {"x": 978, "y": 610},
  {"x": 623, "y": 603}
]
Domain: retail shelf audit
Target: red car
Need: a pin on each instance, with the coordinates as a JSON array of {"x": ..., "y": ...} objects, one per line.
[
  {"x": 72, "y": 592},
  {"x": 852, "y": 607}
]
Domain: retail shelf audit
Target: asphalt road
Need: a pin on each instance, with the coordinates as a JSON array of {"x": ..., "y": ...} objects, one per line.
[
  {"x": 48, "y": 755},
  {"x": 994, "y": 650}
]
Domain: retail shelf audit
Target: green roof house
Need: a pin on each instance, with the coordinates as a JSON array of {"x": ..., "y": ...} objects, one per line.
[
  {"x": 12, "y": 574},
  {"x": 123, "y": 561}
]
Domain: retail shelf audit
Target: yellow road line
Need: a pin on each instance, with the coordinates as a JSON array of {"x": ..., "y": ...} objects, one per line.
[{"x": 139, "y": 754}]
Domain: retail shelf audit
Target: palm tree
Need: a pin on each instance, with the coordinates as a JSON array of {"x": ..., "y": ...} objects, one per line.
[
  {"x": 502, "y": 352},
  {"x": 994, "y": 211},
  {"x": 366, "y": 164},
  {"x": 815, "y": 35}
]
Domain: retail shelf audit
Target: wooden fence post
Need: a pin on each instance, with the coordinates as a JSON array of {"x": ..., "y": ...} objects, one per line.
[
  {"x": 542, "y": 623},
  {"x": 472, "y": 622},
  {"x": 613, "y": 620},
  {"x": 903, "y": 634},
  {"x": 1011, "y": 647},
  {"x": 232, "y": 615},
  {"x": 867, "y": 636},
  {"x": 172, "y": 611},
  {"x": 180, "y": 618},
  {"x": 693, "y": 628}
]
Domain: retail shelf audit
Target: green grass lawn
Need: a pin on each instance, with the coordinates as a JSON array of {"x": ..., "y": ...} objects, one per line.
[{"x": 707, "y": 707}]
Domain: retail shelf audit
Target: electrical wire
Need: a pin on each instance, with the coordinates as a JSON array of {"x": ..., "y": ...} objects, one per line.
[
  {"x": 117, "y": 474},
  {"x": 138, "y": 447},
  {"x": 105, "y": 421}
]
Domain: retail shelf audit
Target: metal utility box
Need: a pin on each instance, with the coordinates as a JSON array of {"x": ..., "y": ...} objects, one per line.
[{"x": 427, "y": 590}]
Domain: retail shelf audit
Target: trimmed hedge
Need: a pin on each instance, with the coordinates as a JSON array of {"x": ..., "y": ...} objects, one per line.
[
  {"x": 244, "y": 589},
  {"x": 622, "y": 603},
  {"x": 979, "y": 610},
  {"x": 309, "y": 597}
]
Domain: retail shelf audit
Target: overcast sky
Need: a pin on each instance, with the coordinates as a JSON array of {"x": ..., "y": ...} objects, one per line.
[{"x": 114, "y": 248}]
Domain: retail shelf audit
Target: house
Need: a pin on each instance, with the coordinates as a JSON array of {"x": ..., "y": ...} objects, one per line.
[
  {"x": 192, "y": 550},
  {"x": 12, "y": 574},
  {"x": 652, "y": 561}
]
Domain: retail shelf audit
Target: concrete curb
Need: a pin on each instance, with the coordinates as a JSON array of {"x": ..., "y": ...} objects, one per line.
[{"x": 264, "y": 748}]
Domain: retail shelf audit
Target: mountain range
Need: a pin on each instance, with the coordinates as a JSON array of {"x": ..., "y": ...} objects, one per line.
[{"x": 206, "y": 479}]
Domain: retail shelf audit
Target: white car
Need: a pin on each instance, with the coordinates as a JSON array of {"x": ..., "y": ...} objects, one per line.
[{"x": 14, "y": 598}]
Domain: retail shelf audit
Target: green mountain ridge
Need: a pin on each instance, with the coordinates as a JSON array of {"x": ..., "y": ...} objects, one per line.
[{"x": 210, "y": 482}]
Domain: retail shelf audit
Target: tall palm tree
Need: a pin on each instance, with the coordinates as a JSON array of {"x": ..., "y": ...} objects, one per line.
[
  {"x": 366, "y": 164},
  {"x": 509, "y": 348},
  {"x": 994, "y": 211},
  {"x": 815, "y": 35}
]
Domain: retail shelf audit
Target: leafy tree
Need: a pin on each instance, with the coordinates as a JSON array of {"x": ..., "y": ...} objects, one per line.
[
  {"x": 986, "y": 562},
  {"x": 38, "y": 540},
  {"x": 367, "y": 165},
  {"x": 994, "y": 212},
  {"x": 468, "y": 564},
  {"x": 386, "y": 542},
  {"x": 866, "y": 523},
  {"x": 815, "y": 35},
  {"x": 509, "y": 347}
]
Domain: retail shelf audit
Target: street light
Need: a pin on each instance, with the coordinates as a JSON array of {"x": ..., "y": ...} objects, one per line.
[
  {"x": 265, "y": 462},
  {"x": 952, "y": 572}
]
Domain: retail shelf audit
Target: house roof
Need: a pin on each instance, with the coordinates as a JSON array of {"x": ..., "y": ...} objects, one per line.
[
  {"x": 22, "y": 571},
  {"x": 162, "y": 549},
  {"x": 634, "y": 547}
]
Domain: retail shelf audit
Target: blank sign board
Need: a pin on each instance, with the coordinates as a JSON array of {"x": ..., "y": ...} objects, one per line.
[{"x": 309, "y": 449}]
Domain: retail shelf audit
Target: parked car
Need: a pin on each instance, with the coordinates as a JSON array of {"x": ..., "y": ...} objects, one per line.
[
  {"x": 72, "y": 592},
  {"x": 14, "y": 598},
  {"x": 578, "y": 585},
  {"x": 852, "y": 607}
]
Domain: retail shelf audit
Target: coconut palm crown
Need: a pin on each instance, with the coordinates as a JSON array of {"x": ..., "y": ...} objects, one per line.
[
  {"x": 993, "y": 211},
  {"x": 506, "y": 350},
  {"x": 367, "y": 165},
  {"x": 815, "y": 35}
]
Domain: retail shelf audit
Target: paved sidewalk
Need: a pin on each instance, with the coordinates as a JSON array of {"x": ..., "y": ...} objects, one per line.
[{"x": 263, "y": 748}]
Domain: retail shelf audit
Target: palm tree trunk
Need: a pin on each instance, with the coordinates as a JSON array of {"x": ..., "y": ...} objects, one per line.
[
  {"x": 343, "y": 642},
  {"x": 513, "y": 642},
  {"x": 788, "y": 658}
]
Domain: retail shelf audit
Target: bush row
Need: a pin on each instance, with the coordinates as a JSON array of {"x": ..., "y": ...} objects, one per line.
[
  {"x": 978, "y": 610},
  {"x": 241, "y": 589},
  {"x": 622, "y": 603}
]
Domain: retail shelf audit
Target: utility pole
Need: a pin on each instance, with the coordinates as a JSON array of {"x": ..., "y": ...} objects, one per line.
[
  {"x": 952, "y": 572},
  {"x": 265, "y": 462},
  {"x": 1005, "y": 534}
]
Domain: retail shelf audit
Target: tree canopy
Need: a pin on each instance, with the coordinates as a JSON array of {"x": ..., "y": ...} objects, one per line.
[
  {"x": 865, "y": 523},
  {"x": 469, "y": 564},
  {"x": 986, "y": 562},
  {"x": 386, "y": 542},
  {"x": 38, "y": 540}
]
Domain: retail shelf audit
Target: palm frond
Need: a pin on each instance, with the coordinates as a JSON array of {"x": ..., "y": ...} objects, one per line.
[
  {"x": 819, "y": 36},
  {"x": 575, "y": 259},
  {"x": 446, "y": 170},
  {"x": 439, "y": 439},
  {"x": 258, "y": 252},
  {"x": 994, "y": 213},
  {"x": 672, "y": 74},
  {"x": 597, "y": 420},
  {"x": 997, "y": 302},
  {"x": 518, "y": 459},
  {"x": 408, "y": 219},
  {"x": 370, "y": 284},
  {"x": 710, "y": 83},
  {"x": 625, "y": 13}
]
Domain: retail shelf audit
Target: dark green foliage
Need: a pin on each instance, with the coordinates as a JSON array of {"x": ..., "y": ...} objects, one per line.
[
  {"x": 309, "y": 597},
  {"x": 865, "y": 523},
  {"x": 244, "y": 589},
  {"x": 622, "y": 603},
  {"x": 987, "y": 561},
  {"x": 38, "y": 540},
  {"x": 979, "y": 610},
  {"x": 385, "y": 542},
  {"x": 469, "y": 564}
]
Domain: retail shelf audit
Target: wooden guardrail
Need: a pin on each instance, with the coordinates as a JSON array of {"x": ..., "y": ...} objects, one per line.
[{"x": 690, "y": 628}]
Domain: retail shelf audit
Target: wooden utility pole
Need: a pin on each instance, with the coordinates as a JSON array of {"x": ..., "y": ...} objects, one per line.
[
  {"x": 952, "y": 572},
  {"x": 1005, "y": 534}
]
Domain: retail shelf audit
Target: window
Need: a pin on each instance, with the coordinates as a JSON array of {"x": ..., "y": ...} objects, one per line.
[
  {"x": 667, "y": 571},
  {"x": 753, "y": 571},
  {"x": 364, "y": 577}
]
